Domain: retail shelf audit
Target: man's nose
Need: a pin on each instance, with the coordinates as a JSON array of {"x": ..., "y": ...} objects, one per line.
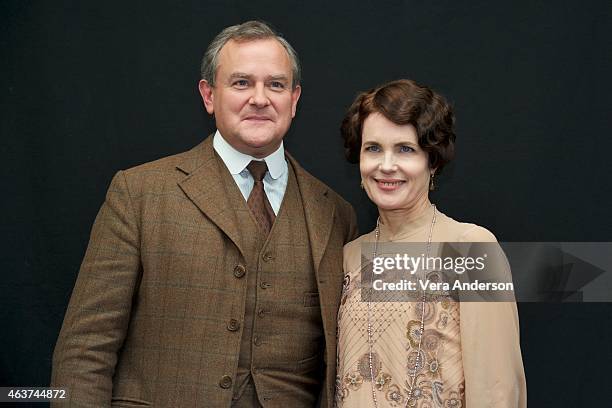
[{"x": 259, "y": 98}]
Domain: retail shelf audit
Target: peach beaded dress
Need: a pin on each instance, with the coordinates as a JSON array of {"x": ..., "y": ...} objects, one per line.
[{"x": 440, "y": 378}]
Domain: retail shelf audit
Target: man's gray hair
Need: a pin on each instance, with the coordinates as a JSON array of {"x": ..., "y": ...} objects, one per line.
[{"x": 251, "y": 30}]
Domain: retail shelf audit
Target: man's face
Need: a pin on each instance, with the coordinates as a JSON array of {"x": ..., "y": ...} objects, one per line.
[{"x": 252, "y": 99}]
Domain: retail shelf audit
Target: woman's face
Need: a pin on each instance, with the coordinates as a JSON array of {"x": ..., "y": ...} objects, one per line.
[{"x": 394, "y": 169}]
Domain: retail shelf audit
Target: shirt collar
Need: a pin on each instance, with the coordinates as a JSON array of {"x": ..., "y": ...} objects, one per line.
[{"x": 237, "y": 161}]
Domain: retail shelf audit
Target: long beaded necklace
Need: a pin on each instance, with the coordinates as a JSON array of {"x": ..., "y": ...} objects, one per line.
[{"x": 421, "y": 326}]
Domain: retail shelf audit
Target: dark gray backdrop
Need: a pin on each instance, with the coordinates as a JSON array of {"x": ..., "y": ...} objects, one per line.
[{"x": 90, "y": 88}]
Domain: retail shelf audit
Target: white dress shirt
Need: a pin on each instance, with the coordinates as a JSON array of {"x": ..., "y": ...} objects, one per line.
[{"x": 275, "y": 180}]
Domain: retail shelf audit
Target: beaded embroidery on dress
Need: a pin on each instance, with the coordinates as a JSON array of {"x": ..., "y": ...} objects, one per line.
[{"x": 439, "y": 379}]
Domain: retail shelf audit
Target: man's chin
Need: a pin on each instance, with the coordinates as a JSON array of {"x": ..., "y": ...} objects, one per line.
[
  {"x": 260, "y": 146},
  {"x": 259, "y": 137}
]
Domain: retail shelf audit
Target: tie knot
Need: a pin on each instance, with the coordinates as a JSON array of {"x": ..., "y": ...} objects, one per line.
[{"x": 257, "y": 169}]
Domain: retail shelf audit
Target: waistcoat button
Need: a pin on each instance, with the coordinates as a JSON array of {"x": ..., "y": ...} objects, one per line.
[
  {"x": 239, "y": 271},
  {"x": 261, "y": 313},
  {"x": 264, "y": 285},
  {"x": 268, "y": 257},
  {"x": 233, "y": 325},
  {"x": 225, "y": 382}
]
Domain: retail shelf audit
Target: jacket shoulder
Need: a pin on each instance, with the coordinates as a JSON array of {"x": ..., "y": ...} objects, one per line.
[
  {"x": 341, "y": 204},
  {"x": 318, "y": 184},
  {"x": 170, "y": 169},
  {"x": 166, "y": 164}
]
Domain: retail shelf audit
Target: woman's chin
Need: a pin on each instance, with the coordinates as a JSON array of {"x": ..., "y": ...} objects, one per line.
[{"x": 387, "y": 206}]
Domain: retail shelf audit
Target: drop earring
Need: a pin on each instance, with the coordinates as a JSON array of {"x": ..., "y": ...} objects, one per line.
[{"x": 432, "y": 186}]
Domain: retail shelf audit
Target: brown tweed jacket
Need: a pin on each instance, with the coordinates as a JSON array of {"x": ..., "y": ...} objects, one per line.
[{"x": 147, "y": 321}]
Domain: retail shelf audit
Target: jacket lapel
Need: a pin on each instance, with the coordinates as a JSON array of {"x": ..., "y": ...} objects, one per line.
[
  {"x": 203, "y": 186},
  {"x": 318, "y": 210}
]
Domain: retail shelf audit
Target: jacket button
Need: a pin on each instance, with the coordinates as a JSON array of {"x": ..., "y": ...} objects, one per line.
[
  {"x": 261, "y": 313},
  {"x": 239, "y": 271},
  {"x": 264, "y": 285},
  {"x": 268, "y": 257},
  {"x": 225, "y": 382},
  {"x": 233, "y": 325},
  {"x": 256, "y": 341}
]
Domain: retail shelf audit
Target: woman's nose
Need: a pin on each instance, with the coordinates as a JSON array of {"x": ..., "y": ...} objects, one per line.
[{"x": 387, "y": 163}]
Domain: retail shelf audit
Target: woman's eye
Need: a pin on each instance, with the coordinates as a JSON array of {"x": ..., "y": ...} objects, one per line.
[
  {"x": 406, "y": 149},
  {"x": 372, "y": 148}
]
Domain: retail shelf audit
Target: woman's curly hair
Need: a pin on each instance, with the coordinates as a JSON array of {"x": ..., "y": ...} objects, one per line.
[{"x": 404, "y": 102}]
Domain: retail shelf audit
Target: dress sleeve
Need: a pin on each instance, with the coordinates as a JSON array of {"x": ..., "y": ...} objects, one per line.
[
  {"x": 351, "y": 257},
  {"x": 491, "y": 352}
]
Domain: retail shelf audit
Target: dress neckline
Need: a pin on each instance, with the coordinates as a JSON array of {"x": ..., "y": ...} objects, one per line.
[{"x": 409, "y": 228}]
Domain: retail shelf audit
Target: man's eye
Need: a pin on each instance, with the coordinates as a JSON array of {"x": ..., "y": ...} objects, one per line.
[
  {"x": 406, "y": 149},
  {"x": 372, "y": 148},
  {"x": 277, "y": 85},
  {"x": 241, "y": 83}
]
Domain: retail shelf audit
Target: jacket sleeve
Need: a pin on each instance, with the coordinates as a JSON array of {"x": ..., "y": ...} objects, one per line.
[
  {"x": 353, "y": 228},
  {"x": 98, "y": 313}
]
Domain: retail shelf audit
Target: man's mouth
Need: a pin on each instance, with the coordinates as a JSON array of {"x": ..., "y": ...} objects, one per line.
[{"x": 257, "y": 118}]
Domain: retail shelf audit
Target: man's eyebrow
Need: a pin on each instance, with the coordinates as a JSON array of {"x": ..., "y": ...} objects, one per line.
[
  {"x": 236, "y": 75},
  {"x": 280, "y": 77}
]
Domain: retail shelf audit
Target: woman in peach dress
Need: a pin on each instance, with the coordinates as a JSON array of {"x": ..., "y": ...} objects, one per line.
[{"x": 438, "y": 353}]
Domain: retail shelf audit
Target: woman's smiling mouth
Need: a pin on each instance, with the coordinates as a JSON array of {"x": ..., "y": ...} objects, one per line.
[{"x": 389, "y": 184}]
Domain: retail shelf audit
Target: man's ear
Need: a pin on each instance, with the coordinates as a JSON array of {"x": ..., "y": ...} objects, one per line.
[
  {"x": 206, "y": 91},
  {"x": 295, "y": 96}
]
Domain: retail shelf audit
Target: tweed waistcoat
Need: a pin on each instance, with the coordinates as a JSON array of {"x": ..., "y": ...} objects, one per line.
[{"x": 282, "y": 336}]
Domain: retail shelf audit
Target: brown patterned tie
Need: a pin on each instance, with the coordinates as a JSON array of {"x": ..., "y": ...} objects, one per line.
[{"x": 258, "y": 201}]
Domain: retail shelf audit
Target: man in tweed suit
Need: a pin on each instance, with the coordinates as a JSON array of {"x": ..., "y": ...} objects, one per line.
[{"x": 207, "y": 282}]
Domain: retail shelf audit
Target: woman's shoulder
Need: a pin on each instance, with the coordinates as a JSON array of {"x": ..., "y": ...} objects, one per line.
[
  {"x": 355, "y": 245},
  {"x": 464, "y": 231},
  {"x": 352, "y": 252}
]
